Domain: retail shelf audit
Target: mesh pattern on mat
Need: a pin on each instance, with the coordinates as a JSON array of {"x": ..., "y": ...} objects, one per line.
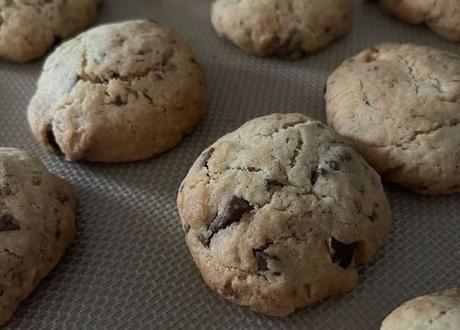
[{"x": 129, "y": 266}]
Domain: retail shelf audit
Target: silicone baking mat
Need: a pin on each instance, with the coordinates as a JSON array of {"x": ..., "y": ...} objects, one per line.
[{"x": 129, "y": 266}]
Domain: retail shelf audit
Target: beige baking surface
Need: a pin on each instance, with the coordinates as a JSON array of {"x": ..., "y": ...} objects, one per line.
[{"x": 129, "y": 266}]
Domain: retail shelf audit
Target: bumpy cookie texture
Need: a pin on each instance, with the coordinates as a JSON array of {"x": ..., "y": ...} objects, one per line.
[
  {"x": 279, "y": 213},
  {"x": 399, "y": 105},
  {"x": 442, "y": 16},
  {"x": 119, "y": 92},
  {"x": 437, "y": 311},
  {"x": 281, "y": 27},
  {"x": 37, "y": 223},
  {"x": 28, "y": 28}
]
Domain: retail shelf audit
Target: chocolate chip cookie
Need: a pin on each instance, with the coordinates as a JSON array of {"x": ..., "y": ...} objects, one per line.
[
  {"x": 279, "y": 213},
  {"x": 37, "y": 223},
  {"x": 399, "y": 105},
  {"x": 437, "y": 311},
  {"x": 119, "y": 92},
  {"x": 281, "y": 27},
  {"x": 441, "y": 16},
  {"x": 28, "y": 28}
]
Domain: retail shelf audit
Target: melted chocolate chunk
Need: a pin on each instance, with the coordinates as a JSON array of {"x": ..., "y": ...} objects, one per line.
[
  {"x": 342, "y": 253},
  {"x": 8, "y": 223},
  {"x": 231, "y": 213},
  {"x": 261, "y": 258},
  {"x": 207, "y": 156}
]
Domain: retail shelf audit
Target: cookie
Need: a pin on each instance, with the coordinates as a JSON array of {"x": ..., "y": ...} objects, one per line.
[
  {"x": 28, "y": 28},
  {"x": 279, "y": 213},
  {"x": 399, "y": 105},
  {"x": 441, "y": 16},
  {"x": 437, "y": 311},
  {"x": 37, "y": 223},
  {"x": 117, "y": 93},
  {"x": 281, "y": 27}
]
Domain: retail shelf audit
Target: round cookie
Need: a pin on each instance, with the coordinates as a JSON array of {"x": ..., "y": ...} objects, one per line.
[
  {"x": 119, "y": 92},
  {"x": 279, "y": 213},
  {"x": 399, "y": 105},
  {"x": 442, "y": 16},
  {"x": 281, "y": 27},
  {"x": 37, "y": 223},
  {"x": 28, "y": 28},
  {"x": 438, "y": 311}
]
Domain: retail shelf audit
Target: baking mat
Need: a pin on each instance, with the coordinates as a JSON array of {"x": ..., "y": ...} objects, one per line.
[{"x": 129, "y": 266}]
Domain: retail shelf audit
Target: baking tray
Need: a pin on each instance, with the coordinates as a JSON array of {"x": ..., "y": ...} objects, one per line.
[{"x": 129, "y": 266}]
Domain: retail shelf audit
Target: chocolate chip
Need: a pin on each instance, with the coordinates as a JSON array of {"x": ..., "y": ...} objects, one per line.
[
  {"x": 207, "y": 156},
  {"x": 373, "y": 216},
  {"x": 327, "y": 29},
  {"x": 334, "y": 165},
  {"x": 231, "y": 213},
  {"x": 8, "y": 223},
  {"x": 342, "y": 253},
  {"x": 261, "y": 258}
]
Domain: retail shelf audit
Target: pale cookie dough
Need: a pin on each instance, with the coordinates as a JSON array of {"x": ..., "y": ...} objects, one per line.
[
  {"x": 279, "y": 213},
  {"x": 37, "y": 223},
  {"x": 399, "y": 105},
  {"x": 437, "y": 311},
  {"x": 281, "y": 27},
  {"x": 119, "y": 92},
  {"x": 442, "y": 16},
  {"x": 28, "y": 28}
]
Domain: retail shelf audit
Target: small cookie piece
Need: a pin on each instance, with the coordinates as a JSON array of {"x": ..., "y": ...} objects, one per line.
[
  {"x": 279, "y": 213},
  {"x": 437, "y": 311},
  {"x": 399, "y": 105},
  {"x": 37, "y": 223},
  {"x": 281, "y": 27},
  {"x": 117, "y": 93},
  {"x": 28, "y": 28},
  {"x": 441, "y": 16}
]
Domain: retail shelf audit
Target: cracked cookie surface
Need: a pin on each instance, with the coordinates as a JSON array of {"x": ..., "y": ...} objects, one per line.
[
  {"x": 399, "y": 105},
  {"x": 437, "y": 311},
  {"x": 119, "y": 92},
  {"x": 281, "y": 27},
  {"x": 28, "y": 28},
  {"x": 37, "y": 223},
  {"x": 279, "y": 213},
  {"x": 441, "y": 16}
]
